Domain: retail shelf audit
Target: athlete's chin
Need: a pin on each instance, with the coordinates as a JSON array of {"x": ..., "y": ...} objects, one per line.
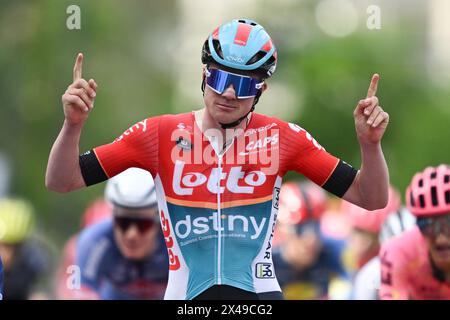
[
  {"x": 226, "y": 116},
  {"x": 442, "y": 258},
  {"x": 227, "y": 108},
  {"x": 133, "y": 253}
]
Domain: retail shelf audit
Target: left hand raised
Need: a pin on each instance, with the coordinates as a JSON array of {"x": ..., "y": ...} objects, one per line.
[{"x": 370, "y": 119}]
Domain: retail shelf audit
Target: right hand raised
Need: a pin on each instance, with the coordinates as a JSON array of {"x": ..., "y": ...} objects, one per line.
[{"x": 78, "y": 100}]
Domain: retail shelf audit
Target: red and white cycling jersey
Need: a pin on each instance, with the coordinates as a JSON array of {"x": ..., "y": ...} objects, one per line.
[
  {"x": 218, "y": 210},
  {"x": 406, "y": 271}
]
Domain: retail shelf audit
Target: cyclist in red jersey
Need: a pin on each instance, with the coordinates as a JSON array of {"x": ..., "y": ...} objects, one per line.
[
  {"x": 416, "y": 264},
  {"x": 218, "y": 170}
]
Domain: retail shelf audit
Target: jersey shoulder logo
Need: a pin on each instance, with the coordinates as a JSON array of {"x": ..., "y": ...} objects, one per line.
[
  {"x": 299, "y": 129},
  {"x": 140, "y": 126},
  {"x": 295, "y": 127}
]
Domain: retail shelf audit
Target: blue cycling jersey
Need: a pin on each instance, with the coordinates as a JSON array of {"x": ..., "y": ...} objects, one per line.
[
  {"x": 106, "y": 271},
  {"x": 313, "y": 282}
]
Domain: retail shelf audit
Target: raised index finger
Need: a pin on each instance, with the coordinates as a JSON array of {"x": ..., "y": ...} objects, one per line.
[
  {"x": 373, "y": 85},
  {"x": 78, "y": 68}
]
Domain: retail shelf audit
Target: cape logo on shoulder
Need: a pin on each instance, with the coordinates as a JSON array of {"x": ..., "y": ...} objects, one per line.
[{"x": 184, "y": 144}]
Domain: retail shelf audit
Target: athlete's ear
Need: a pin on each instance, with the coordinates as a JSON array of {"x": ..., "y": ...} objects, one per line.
[
  {"x": 264, "y": 87},
  {"x": 204, "y": 72}
]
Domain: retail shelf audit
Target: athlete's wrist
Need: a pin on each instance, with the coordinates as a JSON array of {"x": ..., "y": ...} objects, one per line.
[
  {"x": 73, "y": 127},
  {"x": 369, "y": 145}
]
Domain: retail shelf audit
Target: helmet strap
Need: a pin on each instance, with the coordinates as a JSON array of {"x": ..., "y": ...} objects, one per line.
[{"x": 203, "y": 86}]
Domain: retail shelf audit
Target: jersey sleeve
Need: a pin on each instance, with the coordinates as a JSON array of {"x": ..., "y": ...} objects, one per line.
[
  {"x": 393, "y": 283},
  {"x": 302, "y": 153},
  {"x": 136, "y": 147}
]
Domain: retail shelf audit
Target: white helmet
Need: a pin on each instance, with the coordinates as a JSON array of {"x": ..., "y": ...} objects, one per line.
[
  {"x": 396, "y": 223},
  {"x": 134, "y": 188}
]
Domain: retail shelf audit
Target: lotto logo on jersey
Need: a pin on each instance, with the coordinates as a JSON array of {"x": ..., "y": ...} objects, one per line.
[{"x": 236, "y": 180}]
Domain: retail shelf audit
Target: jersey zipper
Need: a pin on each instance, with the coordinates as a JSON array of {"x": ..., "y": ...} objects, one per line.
[{"x": 219, "y": 224}]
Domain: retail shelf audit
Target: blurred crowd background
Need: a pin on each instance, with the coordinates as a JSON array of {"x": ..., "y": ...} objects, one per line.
[{"x": 145, "y": 57}]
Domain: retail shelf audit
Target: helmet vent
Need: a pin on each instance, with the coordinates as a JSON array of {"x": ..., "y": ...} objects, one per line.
[
  {"x": 447, "y": 196},
  {"x": 271, "y": 60},
  {"x": 250, "y": 23},
  {"x": 447, "y": 178},
  {"x": 217, "y": 48},
  {"x": 434, "y": 199},
  {"x": 421, "y": 183},
  {"x": 422, "y": 201},
  {"x": 258, "y": 56},
  {"x": 433, "y": 175}
]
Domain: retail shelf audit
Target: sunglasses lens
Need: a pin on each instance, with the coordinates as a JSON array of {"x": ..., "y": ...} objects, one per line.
[
  {"x": 143, "y": 225},
  {"x": 431, "y": 227},
  {"x": 122, "y": 223},
  {"x": 219, "y": 81}
]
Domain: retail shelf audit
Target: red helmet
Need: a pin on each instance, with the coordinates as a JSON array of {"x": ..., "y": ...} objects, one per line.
[
  {"x": 371, "y": 221},
  {"x": 300, "y": 202},
  {"x": 95, "y": 212},
  {"x": 429, "y": 192}
]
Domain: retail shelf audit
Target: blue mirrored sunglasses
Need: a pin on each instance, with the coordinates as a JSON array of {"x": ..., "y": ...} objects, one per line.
[{"x": 245, "y": 87}]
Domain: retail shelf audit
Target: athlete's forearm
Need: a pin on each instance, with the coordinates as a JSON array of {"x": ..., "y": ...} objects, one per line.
[
  {"x": 63, "y": 169},
  {"x": 373, "y": 180},
  {"x": 370, "y": 188}
]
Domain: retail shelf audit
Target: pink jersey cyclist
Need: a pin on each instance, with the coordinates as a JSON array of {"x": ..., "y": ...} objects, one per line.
[
  {"x": 416, "y": 264},
  {"x": 407, "y": 272}
]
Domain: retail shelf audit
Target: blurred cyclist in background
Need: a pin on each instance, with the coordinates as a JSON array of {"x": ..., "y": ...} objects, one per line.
[
  {"x": 306, "y": 262},
  {"x": 416, "y": 265},
  {"x": 366, "y": 225},
  {"x": 1, "y": 279},
  {"x": 367, "y": 281},
  {"x": 5, "y": 172},
  {"x": 96, "y": 212},
  {"x": 125, "y": 257},
  {"x": 26, "y": 259}
]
